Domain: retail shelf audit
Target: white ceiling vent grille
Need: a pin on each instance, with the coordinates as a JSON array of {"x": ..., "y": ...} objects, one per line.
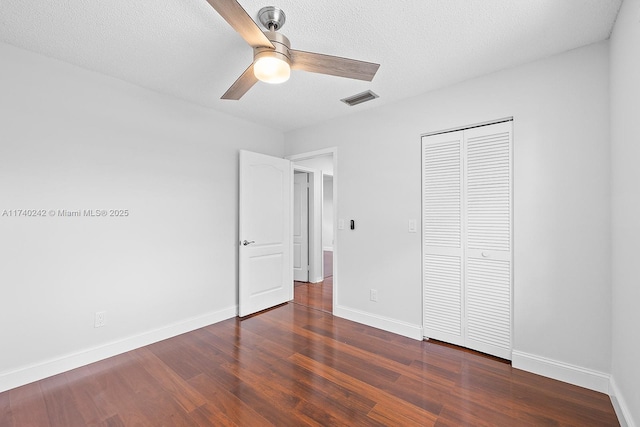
[{"x": 359, "y": 98}]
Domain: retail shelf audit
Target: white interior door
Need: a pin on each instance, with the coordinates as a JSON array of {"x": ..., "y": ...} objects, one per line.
[
  {"x": 301, "y": 226},
  {"x": 265, "y": 261}
]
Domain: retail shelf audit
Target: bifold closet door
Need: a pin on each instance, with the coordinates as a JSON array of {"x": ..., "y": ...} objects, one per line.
[
  {"x": 467, "y": 231},
  {"x": 442, "y": 237},
  {"x": 487, "y": 196}
]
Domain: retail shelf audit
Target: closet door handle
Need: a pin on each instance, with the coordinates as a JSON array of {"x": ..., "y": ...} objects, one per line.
[
  {"x": 485, "y": 254},
  {"x": 246, "y": 242}
]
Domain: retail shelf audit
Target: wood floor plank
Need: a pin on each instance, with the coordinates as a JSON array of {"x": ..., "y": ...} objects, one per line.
[
  {"x": 28, "y": 407},
  {"x": 399, "y": 408},
  {"x": 227, "y": 403},
  {"x": 369, "y": 344},
  {"x": 393, "y": 367},
  {"x": 181, "y": 359},
  {"x": 370, "y": 364},
  {"x": 114, "y": 421},
  {"x": 83, "y": 389},
  {"x": 207, "y": 415},
  {"x": 389, "y": 416},
  {"x": 62, "y": 408},
  {"x": 6, "y": 418},
  {"x": 151, "y": 398},
  {"x": 319, "y": 390},
  {"x": 180, "y": 391},
  {"x": 315, "y": 295},
  {"x": 117, "y": 395}
]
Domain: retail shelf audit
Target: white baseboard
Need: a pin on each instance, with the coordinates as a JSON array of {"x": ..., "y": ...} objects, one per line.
[
  {"x": 328, "y": 248},
  {"x": 387, "y": 324},
  {"x": 38, "y": 371},
  {"x": 566, "y": 372},
  {"x": 620, "y": 405}
]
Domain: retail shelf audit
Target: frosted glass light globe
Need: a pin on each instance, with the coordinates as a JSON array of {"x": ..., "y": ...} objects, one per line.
[{"x": 270, "y": 69}]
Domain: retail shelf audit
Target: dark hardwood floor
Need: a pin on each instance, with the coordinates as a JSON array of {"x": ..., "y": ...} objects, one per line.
[
  {"x": 293, "y": 365},
  {"x": 317, "y": 295}
]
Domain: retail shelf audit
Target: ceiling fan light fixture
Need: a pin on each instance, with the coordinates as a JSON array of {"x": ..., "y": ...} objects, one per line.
[
  {"x": 271, "y": 68},
  {"x": 273, "y": 65},
  {"x": 273, "y": 57}
]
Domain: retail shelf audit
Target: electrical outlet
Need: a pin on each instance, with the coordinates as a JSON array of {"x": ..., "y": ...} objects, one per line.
[
  {"x": 373, "y": 295},
  {"x": 101, "y": 319}
]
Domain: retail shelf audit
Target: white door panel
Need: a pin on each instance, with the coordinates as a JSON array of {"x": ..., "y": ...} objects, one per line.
[
  {"x": 442, "y": 237},
  {"x": 488, "y": 197},
  {"x": 265, "y": 270}
]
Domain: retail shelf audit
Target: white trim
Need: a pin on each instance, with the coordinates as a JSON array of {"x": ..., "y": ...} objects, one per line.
[
  {"x": 620, "y": 405},
  {"x": 561, "y": 371},
  {"x": 312, "y": 154},
  {"x": 385, "y": 323},
  {"x": 477, "y": 125},
  {"x": 41, "y": 370},
  {"x": 328, "y": 248}
]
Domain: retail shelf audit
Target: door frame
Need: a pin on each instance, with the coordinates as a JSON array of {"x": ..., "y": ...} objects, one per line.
[
  {"x": 314, "y": 215},
  {"x": 333, "y": 151}
]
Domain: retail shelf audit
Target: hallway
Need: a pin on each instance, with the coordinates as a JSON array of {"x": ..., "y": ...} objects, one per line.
[{"x": 317, "y": 295}]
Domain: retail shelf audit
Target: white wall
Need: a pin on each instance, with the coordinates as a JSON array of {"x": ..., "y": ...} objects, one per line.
[
  {"x": 72, "y": 139},
  {"x": 327, "y": 213},
  {"x": 625, "y": 133},
  {"x": 562, "y": 287}
]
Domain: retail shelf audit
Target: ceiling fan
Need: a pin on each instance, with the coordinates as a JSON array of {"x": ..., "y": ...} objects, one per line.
[{"x": 273, "y": 57}]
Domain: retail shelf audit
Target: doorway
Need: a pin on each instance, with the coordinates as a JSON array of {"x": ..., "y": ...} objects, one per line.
[{"x": 319, "y": 291}]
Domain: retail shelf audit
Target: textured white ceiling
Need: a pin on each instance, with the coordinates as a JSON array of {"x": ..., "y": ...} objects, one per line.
[{"x": 185, "y": 49}]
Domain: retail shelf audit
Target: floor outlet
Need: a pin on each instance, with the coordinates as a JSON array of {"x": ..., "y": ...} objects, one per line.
[{"x": 101, "y": 319}]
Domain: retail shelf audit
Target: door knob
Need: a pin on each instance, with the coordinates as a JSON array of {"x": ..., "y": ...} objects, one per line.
[{"x": 246, "y": 242}]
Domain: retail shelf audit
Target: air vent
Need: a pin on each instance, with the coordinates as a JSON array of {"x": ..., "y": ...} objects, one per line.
[{"x": 359, "y": 98}]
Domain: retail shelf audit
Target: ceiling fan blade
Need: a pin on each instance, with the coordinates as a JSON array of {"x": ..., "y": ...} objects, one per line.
[
  {"x": 333, "y": 65},
  {"x": 240, "y": 20},
  {"x": 242, "y": 85}
]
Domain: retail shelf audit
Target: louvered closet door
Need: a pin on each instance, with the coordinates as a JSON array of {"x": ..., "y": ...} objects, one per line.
[
  {"x": 467, "y": 268},
  {"x": 442, "y": 237},
  {"x": 487, "y": 267}
]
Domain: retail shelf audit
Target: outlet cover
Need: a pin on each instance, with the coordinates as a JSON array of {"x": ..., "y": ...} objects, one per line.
[{"x": 100, "y": 319}]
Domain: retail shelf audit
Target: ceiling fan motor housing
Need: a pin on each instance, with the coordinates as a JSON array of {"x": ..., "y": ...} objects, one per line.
[{"x": 281, "y": 44}]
